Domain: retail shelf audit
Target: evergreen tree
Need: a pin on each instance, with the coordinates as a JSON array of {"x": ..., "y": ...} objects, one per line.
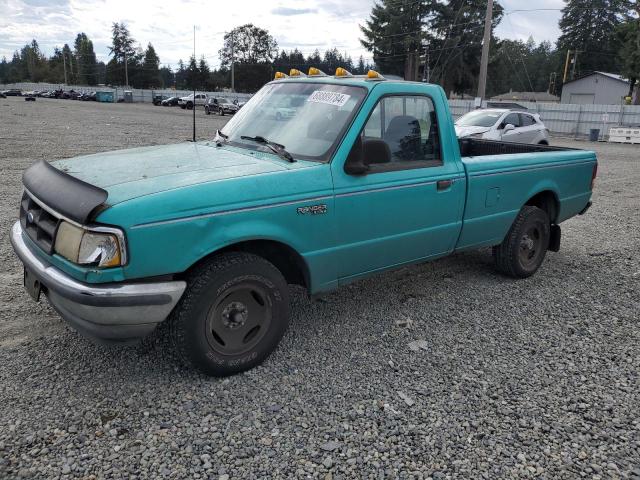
[
  {"x": 456, "y": 47},
  {"x": 204, "y": 74},
  {"x": 628, "y": 34},
  {"x": 395, "y": 30},
  {"x": 167, "y": 77},
  {"x": 589, "y": 26},
  {"x": 151, "y": 68},
  {"x": 86, "y": 72},
  {"x": 122, "y": 51}
]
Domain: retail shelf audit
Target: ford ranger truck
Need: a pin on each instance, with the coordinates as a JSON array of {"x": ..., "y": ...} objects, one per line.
[{"x": 364, "y": 176}]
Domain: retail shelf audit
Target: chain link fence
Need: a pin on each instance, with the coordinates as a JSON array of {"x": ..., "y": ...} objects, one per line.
[
  {"x": 138, "y": 95},
  {"x": 569, "y": 120},
  {"x": 561, "y": 119}
]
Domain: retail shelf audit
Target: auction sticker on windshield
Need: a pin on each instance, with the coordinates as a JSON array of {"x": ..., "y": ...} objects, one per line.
[{"x": 330, "y": 98}]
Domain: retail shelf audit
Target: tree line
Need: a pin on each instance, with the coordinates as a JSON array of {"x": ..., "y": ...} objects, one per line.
[
  {"x": 441, "y": 41},
  {"x": 255, "y": 53}
]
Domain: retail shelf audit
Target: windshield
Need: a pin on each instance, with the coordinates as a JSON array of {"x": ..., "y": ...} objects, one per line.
[
  {"x": 308, "y": 119},
  {"x": 479, "y": 118}
]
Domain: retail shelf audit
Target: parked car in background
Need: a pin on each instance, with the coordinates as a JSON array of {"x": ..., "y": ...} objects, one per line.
[
  {"x": 2, "y": 95},
  {"x": 170, "y": 102},
  {"x": 91, "y": 96},
  {"x": 12, "y": 92},
  {"x": 187, "y": 102},
  {"x": 70, "y": 95},
  {"x": 157, "y": 99},
  {"x": 504, "y": 125},
  {"x": 220, "y": 106}
]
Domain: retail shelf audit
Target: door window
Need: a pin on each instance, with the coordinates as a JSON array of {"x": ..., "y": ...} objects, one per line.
[
  {"x": 527, "y": 120},
  {"x": 402, "y": 132},
  {"x": 513, "y": 119}
]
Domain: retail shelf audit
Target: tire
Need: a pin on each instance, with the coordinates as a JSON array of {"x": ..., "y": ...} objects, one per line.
[
  {"x": 189, "y": 106},
  {"x": 206, "y": 110},
  {"x": 232, "y": 315},
  {"x": 523, "y": 250},
  {"x": 183, "y": 106}
]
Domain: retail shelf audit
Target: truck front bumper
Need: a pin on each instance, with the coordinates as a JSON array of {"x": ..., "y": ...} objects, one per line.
[{"x": 110, "y": 312}]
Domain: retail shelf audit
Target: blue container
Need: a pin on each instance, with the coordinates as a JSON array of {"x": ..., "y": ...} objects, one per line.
[{"x": 104, "y": 96}]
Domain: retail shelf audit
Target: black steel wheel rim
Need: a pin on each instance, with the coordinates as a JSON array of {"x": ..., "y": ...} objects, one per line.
[
  {"x": 239, "y": 319},
  {"x": 531, "y": 247}
]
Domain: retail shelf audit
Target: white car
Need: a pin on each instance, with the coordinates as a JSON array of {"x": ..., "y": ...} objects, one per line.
[
  {"x": 187, "y": 102},
  {"x": 503, "y": 125}
]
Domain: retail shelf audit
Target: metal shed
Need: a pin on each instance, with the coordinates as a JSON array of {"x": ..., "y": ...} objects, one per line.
[{"x": 597, "y": 88}]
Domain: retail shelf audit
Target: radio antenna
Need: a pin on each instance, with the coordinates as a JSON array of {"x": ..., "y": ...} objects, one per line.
[{"x": 193, "y": 77}]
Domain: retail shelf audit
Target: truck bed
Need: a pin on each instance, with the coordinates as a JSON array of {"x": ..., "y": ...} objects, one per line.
[{"x": 501, "y": 177}]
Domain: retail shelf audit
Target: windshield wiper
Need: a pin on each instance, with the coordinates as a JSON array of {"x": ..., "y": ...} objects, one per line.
[{"x": 275, "y": 147}]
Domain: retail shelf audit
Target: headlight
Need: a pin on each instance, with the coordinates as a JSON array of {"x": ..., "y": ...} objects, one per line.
[{"x": 100, "y": 246}]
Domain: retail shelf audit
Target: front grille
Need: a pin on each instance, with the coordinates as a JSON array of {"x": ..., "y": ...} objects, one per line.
[{"x": 40, "y": 225}]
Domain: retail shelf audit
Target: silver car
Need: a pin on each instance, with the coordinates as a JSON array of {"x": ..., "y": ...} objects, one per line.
[{"x": 503, "y": 125}]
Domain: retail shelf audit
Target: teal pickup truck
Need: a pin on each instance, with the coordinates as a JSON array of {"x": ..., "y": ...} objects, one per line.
[{"x": 318, "y": 181}]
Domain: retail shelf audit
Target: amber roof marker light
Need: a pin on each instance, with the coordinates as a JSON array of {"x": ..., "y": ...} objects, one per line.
[
  {"x": 343, "y": 72},
  {"x": 280, "y": 76},
  {"x": 316, "y": 72},
  {"x": 373, "y": 75},
  {"x": 294, "y": 72}
]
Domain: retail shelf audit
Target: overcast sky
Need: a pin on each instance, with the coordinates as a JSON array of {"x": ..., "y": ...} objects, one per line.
[{"x": 305, "y": 24}]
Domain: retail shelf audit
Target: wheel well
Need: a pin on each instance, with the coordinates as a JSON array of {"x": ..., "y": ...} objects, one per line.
[
  {"x": 282, "y": 256},
  {"x": 546, "y": 201},
  {"x": 543, "y": 142}
]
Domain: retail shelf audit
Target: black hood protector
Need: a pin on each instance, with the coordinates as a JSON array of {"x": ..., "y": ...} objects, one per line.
[{"x": 77, "y": 200}]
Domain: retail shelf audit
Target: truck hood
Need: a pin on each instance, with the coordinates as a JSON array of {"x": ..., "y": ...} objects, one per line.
[
  {"x": 132, "y": 173},
  {"x": 466, "y": 131}
]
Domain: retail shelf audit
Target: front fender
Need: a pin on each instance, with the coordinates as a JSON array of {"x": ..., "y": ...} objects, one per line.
[{"x": 173, "y": 247}]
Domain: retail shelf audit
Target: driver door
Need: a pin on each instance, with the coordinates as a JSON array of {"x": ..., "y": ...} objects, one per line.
[{"x": 408, "y": 205}]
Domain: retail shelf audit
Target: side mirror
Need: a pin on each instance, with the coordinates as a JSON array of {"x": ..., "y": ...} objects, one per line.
[
  {"x": 355, "y": 160},
  {"x": 508, "y": 127}
]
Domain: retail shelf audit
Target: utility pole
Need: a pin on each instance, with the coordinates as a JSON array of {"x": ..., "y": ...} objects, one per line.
[
  {"x": 194, "y": 83},
  {"x": 64, "y": 63},
  {"x": 484, "y": 61},
  {"x": 566, "y": 67},
  {"x": 552, "y": 83},
  {"x": 426, "y": 73},
  {"x": 126, "y": 72},
  {"x": 575, "y": 62},
  {"x": 233, "y": 85}
]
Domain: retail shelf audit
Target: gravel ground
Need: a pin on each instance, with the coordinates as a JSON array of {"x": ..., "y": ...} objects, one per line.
[{"x": 443, "y": 370}]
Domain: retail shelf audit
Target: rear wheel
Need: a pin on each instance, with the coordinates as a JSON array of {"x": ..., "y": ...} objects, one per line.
[
  {"x": 523, "y": 250},
  {"x": 206, "y": 110},
  {"x": 233, "y": 314}
]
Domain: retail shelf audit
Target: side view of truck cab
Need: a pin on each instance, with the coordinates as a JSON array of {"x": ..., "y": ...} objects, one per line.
[{"x": 355, "y": 176}]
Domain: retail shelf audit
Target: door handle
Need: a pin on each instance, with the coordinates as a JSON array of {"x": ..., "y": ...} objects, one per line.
[{"x": 443, "y": 184}]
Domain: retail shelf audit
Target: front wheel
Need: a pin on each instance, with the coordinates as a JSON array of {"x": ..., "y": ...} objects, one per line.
[
  {"x": 523, "y": 250},
  {"x": 233, "y": 314},
  {"x": 206, "y": 110}
]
